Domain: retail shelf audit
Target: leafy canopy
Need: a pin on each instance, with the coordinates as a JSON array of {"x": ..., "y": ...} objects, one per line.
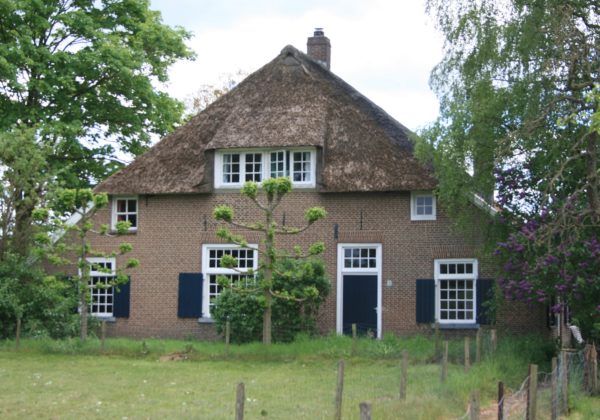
[{"x": 85, "y": 73}]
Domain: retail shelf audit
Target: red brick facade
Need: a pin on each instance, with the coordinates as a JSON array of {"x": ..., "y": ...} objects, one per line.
[{"x": 173, "y": 228}]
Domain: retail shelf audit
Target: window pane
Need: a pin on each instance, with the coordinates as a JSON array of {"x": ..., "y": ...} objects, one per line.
[
  {"x": 121, "y": 206},
  {"x": 131, "y": 206}
]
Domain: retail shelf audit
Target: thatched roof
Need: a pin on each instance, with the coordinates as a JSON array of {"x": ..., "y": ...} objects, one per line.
[{"x": 291, "y": 101}]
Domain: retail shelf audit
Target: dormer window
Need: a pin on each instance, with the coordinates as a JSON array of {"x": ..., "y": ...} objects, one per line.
[{"x": 233, "y": 168}]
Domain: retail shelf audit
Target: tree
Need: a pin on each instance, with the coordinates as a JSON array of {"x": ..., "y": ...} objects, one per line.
[
  {"x": 74, "y": 248},
  {"x": 23, "y": 176},
  {"x": 83, "y": 74},
  {"x": 274, "y": 190},
  {"x": 517, "y": 111},
  {"x": 207, "y": 94}
]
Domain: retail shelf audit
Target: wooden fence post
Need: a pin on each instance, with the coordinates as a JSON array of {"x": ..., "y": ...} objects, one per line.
[
  {"x": 404, "y": 375},
  {"x": 467, "y": 354},
  {"x": 554, "y": 391},
  {"x": 590, "y": 375},
  {"x": 365, "y": 411},
  {"x": 493, "y": 341},
  {"x": 532, "y": 393},
  {"x": 18, "y": 334},
  {"x": 594, "y": 368},
  {"x": 437, "y": 341},
  {"x": 102, "y": 335},
  {"x": 354, "y": 339},
  {"x": 240, "y": 398},
  {"x": 444, "y": 374},
  {"x": 227, "y": 336},
  {"x": 474, "y": 406},
  {"x": 500, "y": 400},
  {"x": 478, "y": 347},
  {"x": 564, "y": 383},
  {"x": 339, "y": 391}
]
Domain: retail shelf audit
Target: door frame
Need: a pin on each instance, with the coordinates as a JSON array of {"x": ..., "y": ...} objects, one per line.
[{"x": 341, "y": 272}]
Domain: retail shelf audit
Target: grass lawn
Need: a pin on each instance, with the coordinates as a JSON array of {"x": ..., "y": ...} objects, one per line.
[{"x": 66, "y": 380}]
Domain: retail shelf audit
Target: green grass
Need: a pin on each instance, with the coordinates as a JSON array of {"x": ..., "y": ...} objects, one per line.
[{"x": 67, "y": 379}]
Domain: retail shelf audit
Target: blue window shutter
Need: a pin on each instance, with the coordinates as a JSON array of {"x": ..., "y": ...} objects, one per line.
[
  {"x": 189, "y": 302},
  {"x": 425, "y": 301},
  {"x": 485, "y": 293},
  {"x": 121, "y": 300}
]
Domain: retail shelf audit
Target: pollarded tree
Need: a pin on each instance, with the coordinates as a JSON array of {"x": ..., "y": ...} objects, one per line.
[
  {"x": 274, "y": 190},
  {"x": 69, "y": 244}
]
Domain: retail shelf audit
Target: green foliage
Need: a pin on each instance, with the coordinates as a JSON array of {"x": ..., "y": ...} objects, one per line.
[
  {"x": 315, "y": 213},
  {"x": 519, "y": 111},
  {"x": 305, "y": 279},
  {"x": 274, "y": 189},
  {"x": 277, "y": 186},
  {"x": 44, "y": 303},
  {"x": 224, "y": 213},
  {"x": 87, "y": 70},
  {"x": 250, "y": 189}
]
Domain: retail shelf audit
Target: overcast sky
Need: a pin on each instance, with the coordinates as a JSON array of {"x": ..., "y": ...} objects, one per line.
[{"x": 384, "y": 48}]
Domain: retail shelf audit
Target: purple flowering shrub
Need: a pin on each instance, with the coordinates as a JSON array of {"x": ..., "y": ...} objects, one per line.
[{"x": 551, "y": 254}]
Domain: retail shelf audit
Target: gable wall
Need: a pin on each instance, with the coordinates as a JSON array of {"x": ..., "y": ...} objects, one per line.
[{"x": 173, "y": 228}]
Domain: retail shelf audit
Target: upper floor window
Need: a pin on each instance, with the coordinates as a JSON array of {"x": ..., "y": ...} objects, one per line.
[
  {"x": 422, "y": 205},
  {"x": 125, "y": 209},
  {"x": 233, "y": 168}
]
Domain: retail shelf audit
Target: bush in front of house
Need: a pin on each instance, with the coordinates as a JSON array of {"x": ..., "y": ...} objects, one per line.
[{"x": 291, "y": 316}]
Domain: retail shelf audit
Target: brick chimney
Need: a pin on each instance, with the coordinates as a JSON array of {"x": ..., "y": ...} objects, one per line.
[{"x": 318, "y": 47}]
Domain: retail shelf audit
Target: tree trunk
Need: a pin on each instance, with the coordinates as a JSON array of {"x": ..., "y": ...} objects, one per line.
[
  {"x": 267, "y": 318},
  {"x": 83, "y": 310}
]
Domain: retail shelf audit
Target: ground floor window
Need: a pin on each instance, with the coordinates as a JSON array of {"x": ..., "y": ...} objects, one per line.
[
  {"x": 211, "y": 261},
  {"x": 456, "y": 290},
  {"x": 102, "y": 275}
]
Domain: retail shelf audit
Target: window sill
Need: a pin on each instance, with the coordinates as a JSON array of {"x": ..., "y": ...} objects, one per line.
[
  {"x": 451, "y": 326},
  {"x": 205, "y": 320},
  {"x": 129, "y": 232},
  {"x": 105, "y": 318}
]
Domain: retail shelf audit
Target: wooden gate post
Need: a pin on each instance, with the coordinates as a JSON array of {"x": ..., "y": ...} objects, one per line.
[{"x": 339, "y": 391}]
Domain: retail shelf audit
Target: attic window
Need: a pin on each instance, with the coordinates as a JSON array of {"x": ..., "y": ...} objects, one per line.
[
  {"x": 232, "y": 169},
  {"x": 422, "y": 205}
]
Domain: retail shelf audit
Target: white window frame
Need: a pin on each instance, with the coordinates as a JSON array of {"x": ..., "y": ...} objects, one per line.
[
  {"x": 208, "y": 271},
  {"x": 115, "y": 213},
  {"x": 265, "y": 166},
  {"x": 341, "y": 271},
  {"x": 438, "y": 276},
  {"x": 413, "y": 205},
  {"x": 97, "y": 293}
]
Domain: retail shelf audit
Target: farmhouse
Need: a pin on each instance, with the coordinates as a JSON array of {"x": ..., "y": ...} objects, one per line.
[{"x": 394, "y": 263}]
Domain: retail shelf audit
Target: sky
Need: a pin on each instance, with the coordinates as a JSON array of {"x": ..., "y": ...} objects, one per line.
[{"x": 385, "y": 49}]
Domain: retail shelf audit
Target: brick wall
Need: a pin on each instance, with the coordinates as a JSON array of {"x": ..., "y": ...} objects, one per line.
[{"x": 173, "y": 228}]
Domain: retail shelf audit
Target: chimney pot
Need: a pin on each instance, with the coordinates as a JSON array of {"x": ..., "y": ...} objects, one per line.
[{"x": 318, "y": 48}]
